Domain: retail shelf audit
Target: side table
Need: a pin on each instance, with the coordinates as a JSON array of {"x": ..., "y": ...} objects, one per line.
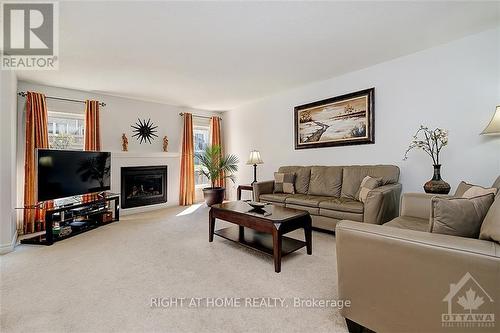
[{"x": 245, "y": 187}]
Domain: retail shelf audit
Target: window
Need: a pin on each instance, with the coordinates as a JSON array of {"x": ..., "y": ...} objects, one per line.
[
  {"x": 201, "y": 134},
  {"x": 66, "y": 130}
]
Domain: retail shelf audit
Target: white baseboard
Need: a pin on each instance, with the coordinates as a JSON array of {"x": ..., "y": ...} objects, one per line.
[{"x": 6, "y": 248}]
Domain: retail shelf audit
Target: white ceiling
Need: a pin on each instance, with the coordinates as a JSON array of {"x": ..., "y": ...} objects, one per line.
[{"x": 218, "y": 55}]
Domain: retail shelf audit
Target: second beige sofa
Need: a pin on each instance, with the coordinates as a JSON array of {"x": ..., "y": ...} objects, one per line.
[
  {"x": 415, "y": 277},
  {"x": 328, "y": 193}
]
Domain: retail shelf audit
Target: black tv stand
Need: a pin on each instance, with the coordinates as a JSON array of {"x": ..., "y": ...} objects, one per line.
[{"x": 64, "y": 219}]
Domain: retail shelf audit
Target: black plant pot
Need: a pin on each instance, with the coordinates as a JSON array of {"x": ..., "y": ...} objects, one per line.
[
  {"x": 436, "y": 185},
  {"x": 213, "y": 195}
]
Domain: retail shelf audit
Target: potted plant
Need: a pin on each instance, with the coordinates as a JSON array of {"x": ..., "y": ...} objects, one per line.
[
  {"x": 431, "y": 142},
  {"x": 215, "y": 166}
]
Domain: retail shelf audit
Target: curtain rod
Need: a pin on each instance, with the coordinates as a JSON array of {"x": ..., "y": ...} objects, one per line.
[
  {"x": 198, "y": 116},
  {"x": 24, "y": 94}
]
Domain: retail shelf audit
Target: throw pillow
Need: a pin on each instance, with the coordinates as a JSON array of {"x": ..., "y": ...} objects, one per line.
[
  {"x": 477, "y": 191},
  {"x": 466, "y": 190},
  {"x": 367, "y": 184},
  {"x": 490, "y": 229},
  {"x": 459, "y": 216},
  {"x": 283, "y": 182},
  {"x": 496, "y": 183}
]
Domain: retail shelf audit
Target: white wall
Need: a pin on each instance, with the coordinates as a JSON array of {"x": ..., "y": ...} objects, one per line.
[
  {"x": 453, "y": 86},
  {"x": 8, "y": 130},
  {"x": 116, "y": 118}
]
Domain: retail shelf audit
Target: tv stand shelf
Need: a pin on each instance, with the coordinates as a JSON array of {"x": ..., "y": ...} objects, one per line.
[{"x": 86, "y": 212}]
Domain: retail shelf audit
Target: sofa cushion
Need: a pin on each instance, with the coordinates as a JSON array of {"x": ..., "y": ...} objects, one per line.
[
  {"x": 343, "y": 205},
  {"x": 410, "y": 223},
  {"x": 490, "y": 229},
  {"x": 459, "y": 216},
  {"x": 339, "y": 215},
  {"x": 302, "y": 176},
  {"x": 311, "y": 210},
  {"x": 275, "y": 197},
  {"x": 325, "y": 180},
  {"x": 352, "y": 176},
  {"x": 305, "y": 200},
  {"x": 284, "y": 182}
]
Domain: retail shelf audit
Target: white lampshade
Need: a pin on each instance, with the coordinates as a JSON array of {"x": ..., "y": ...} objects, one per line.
[
  {"x": 254, "y": 158},
  {"x": 494, "y": 125}
]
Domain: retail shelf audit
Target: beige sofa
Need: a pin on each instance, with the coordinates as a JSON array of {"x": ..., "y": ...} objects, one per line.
[
  {"x": 401, "y": 278},
  {"x": 328, "y": 193}
]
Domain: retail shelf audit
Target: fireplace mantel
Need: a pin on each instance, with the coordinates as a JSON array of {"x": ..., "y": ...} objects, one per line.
[{"x": 138, "y": 154}]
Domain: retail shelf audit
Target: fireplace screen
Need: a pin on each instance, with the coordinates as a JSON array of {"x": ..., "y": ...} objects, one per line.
[{"x": 143, "y": 186}]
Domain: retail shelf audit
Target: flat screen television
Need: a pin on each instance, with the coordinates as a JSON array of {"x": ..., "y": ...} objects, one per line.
[{"x": 66, "y": 173}]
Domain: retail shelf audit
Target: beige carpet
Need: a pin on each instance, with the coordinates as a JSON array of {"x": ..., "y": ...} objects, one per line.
[{"x": 104, "y": 280}]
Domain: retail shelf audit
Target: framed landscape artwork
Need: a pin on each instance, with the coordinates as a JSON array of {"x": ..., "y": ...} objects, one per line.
[{"x": 343, "y": 120}]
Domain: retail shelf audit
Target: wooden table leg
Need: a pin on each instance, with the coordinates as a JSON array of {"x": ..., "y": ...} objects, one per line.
[
  {"x": 241, "y": 234},
  {"x": 277, "y": 239},
  {"x": 238, "y": 193},
  {"x": 308, "y": 235},
  {"x": 211, "y": 227}
]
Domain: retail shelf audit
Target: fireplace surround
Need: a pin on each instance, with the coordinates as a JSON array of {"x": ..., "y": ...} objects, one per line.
[{"x": 143, "y": 185}]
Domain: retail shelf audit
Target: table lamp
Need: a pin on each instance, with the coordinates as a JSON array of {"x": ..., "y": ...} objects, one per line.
[
  {"x": 254, "y": 159},
  {"x": 494, "y": 125}
]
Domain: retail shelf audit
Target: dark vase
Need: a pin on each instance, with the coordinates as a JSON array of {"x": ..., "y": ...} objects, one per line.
[
  {"x": 213, "y": 195},
  {"x": 437, "y": 185}
]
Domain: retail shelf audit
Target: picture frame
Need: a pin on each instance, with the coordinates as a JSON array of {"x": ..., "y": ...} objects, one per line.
[{"x": 338, "y": 121}]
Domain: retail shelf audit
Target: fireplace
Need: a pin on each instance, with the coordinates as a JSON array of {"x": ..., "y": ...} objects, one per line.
[{"x": 144, "y": 185}]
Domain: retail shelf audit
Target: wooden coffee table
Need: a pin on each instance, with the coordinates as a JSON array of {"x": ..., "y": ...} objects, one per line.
[{"x": 263, "y": 232}]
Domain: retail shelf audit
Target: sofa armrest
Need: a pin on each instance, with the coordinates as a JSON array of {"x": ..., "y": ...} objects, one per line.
[
  {"x": 382, "y": 204},
  {"x": 417, "y": 204},
  {"x": 264, "y": 187},
  {"x": 397, "y": 279}
]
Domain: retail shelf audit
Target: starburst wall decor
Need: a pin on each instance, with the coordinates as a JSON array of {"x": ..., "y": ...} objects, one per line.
[{"x": 144, "y": 130}]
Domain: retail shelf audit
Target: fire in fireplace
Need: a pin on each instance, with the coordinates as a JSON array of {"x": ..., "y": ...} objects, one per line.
[{"x": 144, "y": 185}]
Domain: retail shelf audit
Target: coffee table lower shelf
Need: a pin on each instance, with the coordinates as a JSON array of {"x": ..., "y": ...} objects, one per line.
[{"x": 260, "y": 241}]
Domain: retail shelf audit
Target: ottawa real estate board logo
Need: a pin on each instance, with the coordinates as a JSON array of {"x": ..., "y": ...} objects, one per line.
[
  {"x": 469, "y": 305},
  {"x": 30, "y": 35}
]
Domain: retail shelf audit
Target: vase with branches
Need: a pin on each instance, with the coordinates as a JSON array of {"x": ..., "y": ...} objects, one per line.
[
  {"x": 216, "y": 166},
  {"x": 431, "y": 142}
]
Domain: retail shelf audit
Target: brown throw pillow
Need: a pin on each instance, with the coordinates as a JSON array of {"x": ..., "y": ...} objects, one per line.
[
  {"x": 490, "y": 229},
  {"x": 367, "y": 184},
  {"x": 283, "y": 182},
  {"x": 459, "y": 216}
]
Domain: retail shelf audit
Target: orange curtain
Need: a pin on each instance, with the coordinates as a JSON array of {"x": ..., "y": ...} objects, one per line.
[
  {"x": 92, "y": 133},
  {"x": 37, "y": 136},
  {"x": 215, "y": 140},
  {"x": 92, "y": 130},
  {"x": 186, "y": 195}
]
